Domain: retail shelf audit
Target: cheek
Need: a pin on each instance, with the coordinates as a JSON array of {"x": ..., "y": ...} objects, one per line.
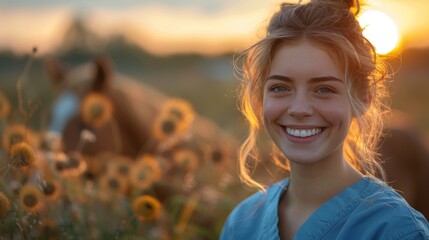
[
  {"x": 337, "y": 113},
  {"x": 272, "y": 110}
]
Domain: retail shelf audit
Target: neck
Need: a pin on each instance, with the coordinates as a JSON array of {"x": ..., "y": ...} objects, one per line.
[{"x": 314, "y": 184}]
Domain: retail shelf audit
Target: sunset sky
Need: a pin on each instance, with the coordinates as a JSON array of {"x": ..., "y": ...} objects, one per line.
[{"x": 173, "y": 26}]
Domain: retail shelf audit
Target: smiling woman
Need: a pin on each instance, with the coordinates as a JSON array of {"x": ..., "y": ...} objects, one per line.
[
  {"x": 312, "y": 89},
  {"x": 315, "y": 84}
]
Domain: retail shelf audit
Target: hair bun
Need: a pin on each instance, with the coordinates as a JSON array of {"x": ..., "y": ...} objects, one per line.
[{"x": 350, "y": 5}]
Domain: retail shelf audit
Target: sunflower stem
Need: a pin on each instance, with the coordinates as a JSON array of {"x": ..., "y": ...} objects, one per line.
[{"x": 20, "y": 83}]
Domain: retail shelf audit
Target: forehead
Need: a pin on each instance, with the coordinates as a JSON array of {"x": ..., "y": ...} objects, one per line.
[{"x": 304, "y": 59}]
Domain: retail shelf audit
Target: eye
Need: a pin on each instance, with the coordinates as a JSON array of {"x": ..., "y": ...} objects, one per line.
[
  {"x": 279, "y": 88},
  {"x": 325, "y": 90}
]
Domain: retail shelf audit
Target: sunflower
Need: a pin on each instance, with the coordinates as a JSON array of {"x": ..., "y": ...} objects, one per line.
[
  {"x": 4, "y": 106},
  {"x": 16, "y": 133},
  {"x": 186, "y": 159},
  {"x": 119, "y": 165},
  {"x": 219, "y": 155},
  {"x": 146, "y": 208},
  {"x": 58, "y": 160},
  {"x": 22, "y": 155},
  {"x": 97, "y": 109},
  {"x": 74, "y": 165},
  {"x": 51, "y": 189},
  {"x": 179, "y": 109},
  {"x": 4, "y": 206},
  {"x": 167, "y": 127},
  {"x": 145, "y": 172},
  {"x": 114, "y": 183},
  {"x": 70, "y": 165},
  {"x": 173, "y": 120},
  {"x": 30, "y": 198}
]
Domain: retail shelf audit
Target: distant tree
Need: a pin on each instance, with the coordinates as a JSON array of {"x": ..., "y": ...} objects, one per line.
[{"x": 78, "y": 38}]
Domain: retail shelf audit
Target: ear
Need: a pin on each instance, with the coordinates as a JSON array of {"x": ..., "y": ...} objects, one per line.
[
  {"x": 367, "y": 97},
  {"x": 56, "y": 71},
  {"x": 367, "y": 100},
  {"x": 363, "y": 103},
  {"x": 102, "y": 74}
]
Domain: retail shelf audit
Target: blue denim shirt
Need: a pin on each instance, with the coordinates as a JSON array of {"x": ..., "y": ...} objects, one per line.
[{"x": 365, "y": 210}]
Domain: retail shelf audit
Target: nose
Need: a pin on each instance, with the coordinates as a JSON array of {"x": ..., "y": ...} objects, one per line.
[{"x": 300, "y": 106}]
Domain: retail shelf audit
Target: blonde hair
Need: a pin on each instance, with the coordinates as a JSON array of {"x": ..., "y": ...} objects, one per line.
[{"x": 332, "y": 25}]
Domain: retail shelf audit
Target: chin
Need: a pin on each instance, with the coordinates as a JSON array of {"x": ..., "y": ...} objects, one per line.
[{"x": 303, "y": 159}]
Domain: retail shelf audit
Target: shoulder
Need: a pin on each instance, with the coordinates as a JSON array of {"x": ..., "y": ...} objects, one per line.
[
  {"x": 386, "y": 215},
  {"x": 253, "y": 213},
  {"x": 254, "y": 205}
]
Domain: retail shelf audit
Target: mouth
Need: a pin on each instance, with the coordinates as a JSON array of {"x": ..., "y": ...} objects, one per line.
[{"x": 303, "y": 133}]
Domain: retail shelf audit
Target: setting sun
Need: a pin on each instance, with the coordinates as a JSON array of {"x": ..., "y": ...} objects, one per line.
[{"x": 380, "y": 30}]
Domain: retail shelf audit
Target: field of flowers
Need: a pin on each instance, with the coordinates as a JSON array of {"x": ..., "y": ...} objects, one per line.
[{"x": 183, "y": 189}]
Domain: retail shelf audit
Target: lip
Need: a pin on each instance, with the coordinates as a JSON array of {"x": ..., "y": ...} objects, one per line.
[
  {"x": 302, "y": 126},
  {"x": 301, "y": 140}
]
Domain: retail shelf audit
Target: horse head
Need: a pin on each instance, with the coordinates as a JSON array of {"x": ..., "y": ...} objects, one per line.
[{"x": 93, "y": 98}]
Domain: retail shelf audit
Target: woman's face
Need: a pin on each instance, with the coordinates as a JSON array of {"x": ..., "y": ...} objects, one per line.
[{"x": 306, "y": 108}]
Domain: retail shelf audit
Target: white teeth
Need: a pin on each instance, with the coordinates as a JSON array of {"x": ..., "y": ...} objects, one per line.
[{"x": 303, "y": 132}]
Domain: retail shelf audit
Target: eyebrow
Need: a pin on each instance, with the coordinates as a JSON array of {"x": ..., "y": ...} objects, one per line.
[{"x": 312, "y": 80}]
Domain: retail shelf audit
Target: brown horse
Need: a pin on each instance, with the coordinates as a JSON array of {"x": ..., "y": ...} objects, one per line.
[
  {"x": 405, "y": 159},
  {"x": 131, "y": 129}
]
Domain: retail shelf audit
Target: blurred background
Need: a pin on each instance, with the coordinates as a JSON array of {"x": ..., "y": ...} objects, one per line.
[{"x": 185, "y": 49}]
